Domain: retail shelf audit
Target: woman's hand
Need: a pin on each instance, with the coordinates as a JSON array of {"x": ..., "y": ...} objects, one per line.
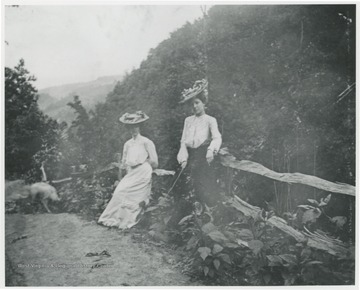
[
  {"x": 183, "y": 164},
  {"x": 209, "y": 156}
]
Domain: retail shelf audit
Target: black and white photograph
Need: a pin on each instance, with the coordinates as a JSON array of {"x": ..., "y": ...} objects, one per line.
[{"x": 179, "y": 144}]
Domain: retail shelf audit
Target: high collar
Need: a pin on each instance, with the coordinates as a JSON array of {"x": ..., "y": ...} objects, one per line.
[
  {"x": 196, "y": 116},
  {"x": 137, "y": 137}
]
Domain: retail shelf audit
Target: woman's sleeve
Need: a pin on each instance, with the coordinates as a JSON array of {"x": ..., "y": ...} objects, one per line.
[
  {"x": 153, "y": 157},
  {"x": 215, "y": 136},
  {"x": 183, "y": 153}
]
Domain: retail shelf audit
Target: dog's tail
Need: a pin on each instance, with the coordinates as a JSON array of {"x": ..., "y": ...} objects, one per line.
[{"x": 16, "y": 189}]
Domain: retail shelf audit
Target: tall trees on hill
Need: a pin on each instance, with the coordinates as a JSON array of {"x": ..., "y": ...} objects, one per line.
[
  {"x": 279, "y": 76},
  {"x": 80, "y": 133},
  {"x": 30, "y": 136}
]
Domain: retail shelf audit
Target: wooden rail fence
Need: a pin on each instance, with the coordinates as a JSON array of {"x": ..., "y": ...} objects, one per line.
[
  {"x": 229, "y": 160},
  {"x": 315, "y": 240}
]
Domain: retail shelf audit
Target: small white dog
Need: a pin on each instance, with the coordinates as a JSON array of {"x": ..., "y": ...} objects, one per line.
[{"x": 15, "y": 190}]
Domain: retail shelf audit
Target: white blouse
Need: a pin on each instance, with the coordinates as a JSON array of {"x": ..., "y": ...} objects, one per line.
[
  {"x": 198, "y": 129},
  {"x": 137, "y": 151}
]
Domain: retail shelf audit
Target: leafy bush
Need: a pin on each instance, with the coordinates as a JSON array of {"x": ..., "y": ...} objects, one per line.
[{"x": 226, "y": 247}]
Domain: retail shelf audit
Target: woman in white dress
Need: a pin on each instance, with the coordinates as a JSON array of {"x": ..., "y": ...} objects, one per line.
[{"x": 133, "y": 191}]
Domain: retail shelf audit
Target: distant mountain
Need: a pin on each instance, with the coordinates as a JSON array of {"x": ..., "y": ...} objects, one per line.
[
  {"x": 45, "y": 100},
  {"x": 53, "y": 100}
]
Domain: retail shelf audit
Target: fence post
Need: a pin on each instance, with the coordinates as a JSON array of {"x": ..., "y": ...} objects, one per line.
[{"x": 229, "y": 181}]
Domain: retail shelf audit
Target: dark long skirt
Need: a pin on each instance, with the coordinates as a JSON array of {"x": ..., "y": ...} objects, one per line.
[{"x": 199, "y": 178}]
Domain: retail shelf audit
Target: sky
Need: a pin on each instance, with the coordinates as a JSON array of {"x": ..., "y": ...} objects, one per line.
[{"x": 77, "y": 43}]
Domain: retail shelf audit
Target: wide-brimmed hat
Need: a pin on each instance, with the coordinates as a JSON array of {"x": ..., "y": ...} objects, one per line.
[
  {"x": 135, "y": 118},
  {"x": 191, "y": 93}
]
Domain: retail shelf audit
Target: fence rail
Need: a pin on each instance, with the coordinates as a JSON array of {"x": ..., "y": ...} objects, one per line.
[
  {"x": 229, "y": 160},
  {"x": 314, "y": 240}
]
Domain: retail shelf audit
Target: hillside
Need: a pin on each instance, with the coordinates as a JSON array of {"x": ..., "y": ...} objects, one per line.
[{"x": 53, "y": 100}]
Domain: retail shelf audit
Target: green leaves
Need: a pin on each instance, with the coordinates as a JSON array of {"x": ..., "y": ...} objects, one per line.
[
  {"x": 311, "y": 215},
  {"x": 225, "y": 258},
  {"x": 151, "y": 208},
  {"x": 339, "y": 221},
  {"x": 217, "y": 249},
  {"x": 192, "y": 242},
  {"x": 256, "y": 246},
  {"x": 206, "y": 270},
  {"x": 167, "y": 219},
  {"x": 314, "y": 263},
  {"x": 325, "y": 201},
  {"x": 214, "y": 234},
  {"x": 204, "y": 252},
  {"x": 304, "y": 206},
  {"x": 185, "y": 219},
  {"x": 242, "y": 243},
  {"x": 274, "y": 260},
  {"x": 289, "y": 259},
  {"x": 245, "y": 234},
  {"x": 289, "y": 278},
  {"x": 305, "y": 254},
  {"x": 208, "y": 228},
  {"x": 313, "y": 201},
  {"x": 216, "y": 263},
  {"x": 218, "y": 237}
]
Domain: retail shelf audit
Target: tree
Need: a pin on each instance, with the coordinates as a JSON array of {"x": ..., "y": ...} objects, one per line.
[
  {"x": 28, "y": 132},
  {"x": 80, "y": 134}
]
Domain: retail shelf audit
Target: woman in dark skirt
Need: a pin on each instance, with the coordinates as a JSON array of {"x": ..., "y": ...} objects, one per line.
[{"x": 200, "y": 142}]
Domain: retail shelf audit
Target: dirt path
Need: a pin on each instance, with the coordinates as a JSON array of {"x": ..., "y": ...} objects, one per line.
[{"x": 50, "y": 250}]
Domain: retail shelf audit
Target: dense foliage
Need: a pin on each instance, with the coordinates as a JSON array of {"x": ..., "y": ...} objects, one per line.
[
  {"x": 229, "y": 248},
  {"x": 30, "y": 136}
]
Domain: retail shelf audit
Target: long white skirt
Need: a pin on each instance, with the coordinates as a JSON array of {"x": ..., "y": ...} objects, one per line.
[{"x": 123, "y": 209}]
